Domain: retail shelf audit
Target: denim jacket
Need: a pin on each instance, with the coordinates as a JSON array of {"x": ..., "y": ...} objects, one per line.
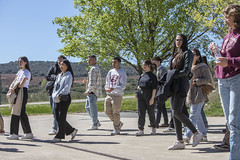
[{"x": 62, "y": 85}]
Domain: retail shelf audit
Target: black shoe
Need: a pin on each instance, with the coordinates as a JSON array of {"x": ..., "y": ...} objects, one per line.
[{"x": 222, "y": 146}]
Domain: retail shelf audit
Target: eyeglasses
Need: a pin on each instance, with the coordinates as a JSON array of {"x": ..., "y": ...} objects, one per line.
[{"x": 180, "y": 40}]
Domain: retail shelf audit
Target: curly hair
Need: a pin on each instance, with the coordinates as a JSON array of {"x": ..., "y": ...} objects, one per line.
[{"x": 233, "y": 10}]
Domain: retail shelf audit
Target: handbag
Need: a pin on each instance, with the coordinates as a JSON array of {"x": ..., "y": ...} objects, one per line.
[
  {"x": 63, "y": 98},
  {"x": 206, "y": 89}
]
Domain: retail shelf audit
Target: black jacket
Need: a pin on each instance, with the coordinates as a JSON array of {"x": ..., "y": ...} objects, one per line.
[{"x": 51, "y": 77}]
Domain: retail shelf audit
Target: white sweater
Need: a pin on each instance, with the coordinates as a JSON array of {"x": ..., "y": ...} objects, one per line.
[{"x": 116, "y": 79}]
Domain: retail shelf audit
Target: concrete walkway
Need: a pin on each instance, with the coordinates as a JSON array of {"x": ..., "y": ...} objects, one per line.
[{"x": 99, "y": 145}]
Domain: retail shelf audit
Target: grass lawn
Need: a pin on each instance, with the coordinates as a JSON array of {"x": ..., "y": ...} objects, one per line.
[{"x": 212, "y": 108}]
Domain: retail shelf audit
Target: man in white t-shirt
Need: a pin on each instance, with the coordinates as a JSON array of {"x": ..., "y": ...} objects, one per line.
[{"x": 115, "y": 84}]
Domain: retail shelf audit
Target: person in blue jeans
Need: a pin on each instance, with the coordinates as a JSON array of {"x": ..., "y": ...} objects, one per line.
[
  {"x": 227, "y": 71},
  {"x": 51, "y": 77},
  {"x": 93, "y": 91}
]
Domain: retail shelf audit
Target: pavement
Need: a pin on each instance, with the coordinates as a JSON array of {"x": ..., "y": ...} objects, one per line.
[{"x": 100, "y": 145}]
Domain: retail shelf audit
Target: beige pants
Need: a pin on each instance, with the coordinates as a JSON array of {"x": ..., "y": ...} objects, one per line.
[{"x": 112, "y": 107}]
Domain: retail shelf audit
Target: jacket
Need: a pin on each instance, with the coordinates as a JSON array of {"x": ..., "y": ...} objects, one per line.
[
  {"x": 202, "y": 76},
  {"x": 94, "y": 81},
  {"x": 51, "y": 77}
]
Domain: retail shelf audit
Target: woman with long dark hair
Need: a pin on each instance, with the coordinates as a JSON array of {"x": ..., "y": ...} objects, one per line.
[
  {"x": 61, "y": 96},
  {"x": 147, "y": 86},
  {"x": 196, "y": 97},
  {"x": 19, "y": 86},
  {"x": 181, "y": 61}
]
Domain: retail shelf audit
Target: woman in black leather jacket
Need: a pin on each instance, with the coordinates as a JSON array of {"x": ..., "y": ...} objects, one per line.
[{"x": 181, "y": 60}]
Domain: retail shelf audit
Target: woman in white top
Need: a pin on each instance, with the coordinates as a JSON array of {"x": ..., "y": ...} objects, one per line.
[{"x": 22, "y": 79}]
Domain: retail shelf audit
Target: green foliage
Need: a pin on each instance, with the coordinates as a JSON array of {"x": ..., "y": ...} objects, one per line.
[
  {"x": 134, "y": 30},
  {"x": 209, "y": 14}
]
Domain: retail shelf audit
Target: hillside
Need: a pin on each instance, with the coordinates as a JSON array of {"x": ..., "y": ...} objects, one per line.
[{"x": 40, "y": 68}]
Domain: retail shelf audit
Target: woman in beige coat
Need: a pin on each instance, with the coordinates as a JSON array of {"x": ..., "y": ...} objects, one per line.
[{"x": 196, "y": 98}]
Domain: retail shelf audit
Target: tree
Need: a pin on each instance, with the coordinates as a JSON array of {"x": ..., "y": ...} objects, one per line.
[{"x": 134, "y": 30}]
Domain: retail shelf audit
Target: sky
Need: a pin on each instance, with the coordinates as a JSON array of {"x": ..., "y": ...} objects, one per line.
[{"x": 26, "y": 29}]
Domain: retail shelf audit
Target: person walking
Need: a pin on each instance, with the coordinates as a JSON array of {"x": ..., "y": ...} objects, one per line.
[
  {"x": 181, "y": 62},
  {"x": 227, "y": 71},
  {"x": 61, "y": 96},
  {"x": 1, "y": 125},
  {"x": 146, "y": 91},
  {"x": 20, "y": 86},
  {"x": 93, "y": 91},
  {"x": 161, "y": 107},
  {"x": 116, "y": 81},
  {"x": 51, "y": 78},
  {"x": 196, "y": 97}
]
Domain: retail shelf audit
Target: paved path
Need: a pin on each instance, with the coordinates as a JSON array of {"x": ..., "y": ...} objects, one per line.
[{"x": 99, "y": 145}]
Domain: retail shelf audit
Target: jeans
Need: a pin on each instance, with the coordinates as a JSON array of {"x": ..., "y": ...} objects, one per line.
[
  {"x": 184, "y": 111},
  {"x": 53, "y": 106},
  {"x": 229, "y": 90},
  {"x": 91, "y": 107},
  {"x": 161, "y": 108},
  {"x": 204, "y": 117},
  {"x": 196, "y": 119}
]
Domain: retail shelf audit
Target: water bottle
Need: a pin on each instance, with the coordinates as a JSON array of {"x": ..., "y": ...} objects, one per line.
[{"x": 216, "y": 51}]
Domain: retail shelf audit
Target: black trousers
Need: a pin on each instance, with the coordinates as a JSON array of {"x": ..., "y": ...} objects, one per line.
[
  {"x": 184, "y": 111},
  {"x": 144, "y": 97},
  {"x": 161, "y": 108},
  {"x": 179, "y": 117},
  {"x": 64, "y": 128},
  {"x": 23, "y": 118}
]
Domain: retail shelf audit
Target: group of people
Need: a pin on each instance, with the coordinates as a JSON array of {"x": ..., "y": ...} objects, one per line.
[{"x": 182, "y": 84}]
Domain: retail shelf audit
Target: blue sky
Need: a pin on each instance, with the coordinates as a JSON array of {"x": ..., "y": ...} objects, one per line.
[{"x": 26, "y": 29}]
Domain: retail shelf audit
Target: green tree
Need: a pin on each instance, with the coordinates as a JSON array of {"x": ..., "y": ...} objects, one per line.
[
  {"x": 134, "y": 30},
  {"x": 209, "y": 14}
]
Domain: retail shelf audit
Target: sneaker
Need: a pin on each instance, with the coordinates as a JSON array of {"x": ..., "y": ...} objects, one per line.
[
  {"x": 73, "y": 134},
  {"x": 27, "y": 136},
  {"x": 196, "y": 139},
  {"x": 223, "y": 146},
  {"x": 55, "y": 140},
  {"x": 169, "y": 130},
  {"x": 204, "y": 139},
  {"x": 153, "y": 132},
  {"x": 120, "y": 126},
  {"x": 53, "y": 132},
  {"x": 13, "y": 137},
  {"x": 163, "y": 125},
  {"x": 115, "y": 132},
  {"x": 186, "y": 139},
  {"x": 92, "y": 128},
  {"x": 177, "y": 145},
  {"x": 140, "y": 133}
]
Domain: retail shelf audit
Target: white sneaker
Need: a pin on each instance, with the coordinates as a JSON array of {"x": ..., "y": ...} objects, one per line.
[
  {"x": 153, "y": 132},
  {"x": 197, "y": 138},
  {"x": 115, "y": 132},
  {"x": 13, "y": 137},
  {"x": 140, "y": 133},
  {"x": 55, "y": 140},
  {"x": 53, "y": 132},
  {"x": 204, "y": 139},
  {"x": 169, "y": 130},
  {"x": 92, "y": 128},
  {"x": 27, "y": 136},
  {"x": 120, "y": 126},
  {"x": 73, "y": 134},
  {"x": 186, "y": 139},
  {"x": 177, "y": 145}
]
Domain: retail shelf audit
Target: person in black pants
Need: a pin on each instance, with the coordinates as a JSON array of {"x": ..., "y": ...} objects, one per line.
[
  {"x": 61, "y": 96},
  {"x": 181, "y": 61},
  {"x": 147, "y": 85},
  {"x": 23, "y": 78}
]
